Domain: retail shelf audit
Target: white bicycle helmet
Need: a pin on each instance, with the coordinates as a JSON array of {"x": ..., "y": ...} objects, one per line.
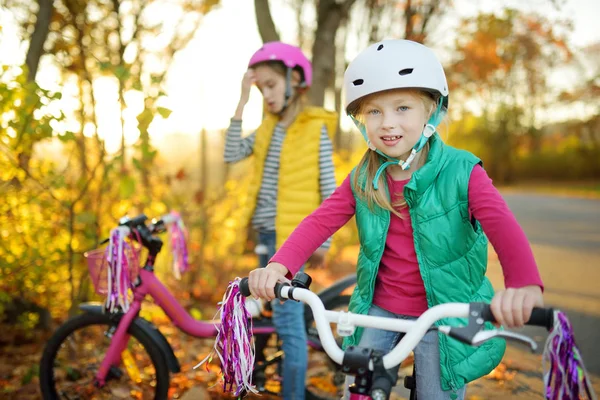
[
  {"x": 393, "y": 64},
  {"x": 396, "y": 64}
]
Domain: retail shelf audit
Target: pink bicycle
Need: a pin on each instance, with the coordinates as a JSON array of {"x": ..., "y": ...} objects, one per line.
[{"x": 101, "y": 354}]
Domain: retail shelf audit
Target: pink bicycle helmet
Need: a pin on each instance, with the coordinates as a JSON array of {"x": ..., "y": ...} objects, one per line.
[{"x": 290, "y": 56}]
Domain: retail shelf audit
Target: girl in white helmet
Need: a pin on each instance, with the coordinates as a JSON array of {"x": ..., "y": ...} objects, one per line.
[{"x": 421, "y": 209}]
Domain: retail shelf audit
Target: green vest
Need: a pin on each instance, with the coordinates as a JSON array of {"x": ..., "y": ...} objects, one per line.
[{"x": 451, "y": 250}]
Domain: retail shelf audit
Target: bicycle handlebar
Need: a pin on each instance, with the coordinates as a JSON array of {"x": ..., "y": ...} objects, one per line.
[
  {"x": 543, "y": 317},
  {"x": 472, "y": 334},
  {"x": 138, "y": 224}
]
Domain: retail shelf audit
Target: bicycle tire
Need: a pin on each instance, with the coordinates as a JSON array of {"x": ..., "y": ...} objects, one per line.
[
  {"x": 311, "y": 393},
  {"x": 80, "y": 322}
]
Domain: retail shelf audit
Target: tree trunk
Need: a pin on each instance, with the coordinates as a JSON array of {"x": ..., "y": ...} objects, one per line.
[
  {"x": 264, "y": 20},
  {"x": 121, "y": 51},
  {"x": 330, "y": 16},
  {"x": 32, "y": 59},
  {"x": 323, "y": 51},
  {"x": 80, "y": 140},
  {"x": 374, "y": 16},
  {"x": 38, "y": 38},
  {"x": 193, "y": 275},
  {"x": 338, "y": 142},
  {"x": 417, "y": 17},
  {"x": 70, "y": 253}
]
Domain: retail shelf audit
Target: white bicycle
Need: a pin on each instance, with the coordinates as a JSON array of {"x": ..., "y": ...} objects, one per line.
[{"x": 369, "y": 366}]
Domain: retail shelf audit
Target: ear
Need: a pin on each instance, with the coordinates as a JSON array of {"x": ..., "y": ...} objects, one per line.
[{"x": 295, "y": 78}]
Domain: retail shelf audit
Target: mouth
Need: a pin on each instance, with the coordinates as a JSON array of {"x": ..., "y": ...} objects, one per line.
[{"x": 391, "y": 140}]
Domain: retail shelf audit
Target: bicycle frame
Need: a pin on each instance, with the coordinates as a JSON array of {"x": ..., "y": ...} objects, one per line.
[{"x": 149, "y": 284}]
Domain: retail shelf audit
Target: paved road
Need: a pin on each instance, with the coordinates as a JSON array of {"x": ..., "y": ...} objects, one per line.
[
  {"x": 565, "y": 236},
  {"x": 556, "y": 221}
]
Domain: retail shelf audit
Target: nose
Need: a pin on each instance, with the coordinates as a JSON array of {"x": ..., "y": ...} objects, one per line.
[{"x": 389, "y": 121}]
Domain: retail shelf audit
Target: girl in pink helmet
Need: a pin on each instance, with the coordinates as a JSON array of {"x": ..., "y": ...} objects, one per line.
[{"x": 292, "y": 174}]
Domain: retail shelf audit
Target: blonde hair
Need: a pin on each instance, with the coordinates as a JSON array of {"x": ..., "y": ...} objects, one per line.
[{"x": 371, "y": 162}]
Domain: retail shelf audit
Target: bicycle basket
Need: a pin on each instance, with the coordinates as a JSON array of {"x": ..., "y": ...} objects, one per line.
[{"x": 97, "y": 261}]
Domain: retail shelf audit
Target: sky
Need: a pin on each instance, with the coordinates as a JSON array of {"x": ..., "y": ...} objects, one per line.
[{"x": 204, "y": 83}]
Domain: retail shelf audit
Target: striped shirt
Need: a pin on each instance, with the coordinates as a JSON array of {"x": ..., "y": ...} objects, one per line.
[{"x": 238, "y": 148}]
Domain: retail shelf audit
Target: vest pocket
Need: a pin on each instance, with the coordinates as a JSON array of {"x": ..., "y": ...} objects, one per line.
[{"x": 446, "y": 237}]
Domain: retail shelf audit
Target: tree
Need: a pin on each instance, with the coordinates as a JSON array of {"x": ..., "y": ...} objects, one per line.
[
  {"x": 502, "y": 62},
  {"x": 62, "y": 201},
  {"x": 337, "y": 22},
  {"x": 38, "y": 37}
]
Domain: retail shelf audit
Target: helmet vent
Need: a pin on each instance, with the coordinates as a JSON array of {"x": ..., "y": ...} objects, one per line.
[
  {"x": 406, "y": 71},
  {"x": 358, "y": 82},
  {"x": 379, "y": 47}
]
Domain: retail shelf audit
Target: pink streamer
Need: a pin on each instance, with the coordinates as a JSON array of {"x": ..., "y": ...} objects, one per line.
[
  {"x": 178, "y": 238},
  {"x": 233, "y": 344},
  {"x": 119, "y": 270},
  {"x": 565, "y": 376}
]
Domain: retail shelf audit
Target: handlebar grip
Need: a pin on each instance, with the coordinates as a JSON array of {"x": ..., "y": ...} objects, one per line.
[
  {"x": 543, "y": 317},
  {"x": 133, "y": 222},
  {"x": 245, "y": 290}
]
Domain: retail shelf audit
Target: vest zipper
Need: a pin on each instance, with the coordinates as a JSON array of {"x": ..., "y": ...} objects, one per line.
[{"x": 425, "y": 278}]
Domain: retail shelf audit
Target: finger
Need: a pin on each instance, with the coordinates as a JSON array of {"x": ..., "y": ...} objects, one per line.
[
  {"x": 517, "y": 308},
  {"x": 496, "y": 308},
  {"x": 271, "y": 281},
  {"x": 258, "y": 286},
  {"x": 506, "y": 307},
  {"x": 255, "y": 288},
  {"x": 252, "y": 284},
  {"x": 528, "y": 304},
  {"x": 263, "y": 286}
]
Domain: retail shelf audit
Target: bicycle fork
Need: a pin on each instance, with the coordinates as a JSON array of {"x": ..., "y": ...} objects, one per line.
[{"x": 118, "y": 344}]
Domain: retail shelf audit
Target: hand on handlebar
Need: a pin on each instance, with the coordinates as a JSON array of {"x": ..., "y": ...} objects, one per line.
[
  {"x": 261, "y": 281},
  {"x": 512, "y": 307}
]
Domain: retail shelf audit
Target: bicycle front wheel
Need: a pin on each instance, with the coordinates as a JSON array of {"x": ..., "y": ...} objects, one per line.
[{"x": 73, "y": 355}]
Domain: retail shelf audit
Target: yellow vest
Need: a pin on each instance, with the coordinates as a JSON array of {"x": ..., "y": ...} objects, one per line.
[{"x": 298, "y": 189}]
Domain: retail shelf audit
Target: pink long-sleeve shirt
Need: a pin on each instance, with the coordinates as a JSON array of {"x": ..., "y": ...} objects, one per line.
[{"x": 399, "y": 287}]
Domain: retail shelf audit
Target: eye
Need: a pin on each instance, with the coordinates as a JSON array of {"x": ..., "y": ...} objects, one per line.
[
  {"x": 403, "y": 108},
  {"x": 374, "y": 111}
]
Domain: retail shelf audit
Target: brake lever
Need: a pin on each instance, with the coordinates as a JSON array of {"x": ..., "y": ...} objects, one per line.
[{"x": 483, "y": 336}]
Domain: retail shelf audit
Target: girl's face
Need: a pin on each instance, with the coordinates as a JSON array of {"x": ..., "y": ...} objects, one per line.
[
  {"x": 394, "y": 121},
  {"x": 272, "y": 86}
]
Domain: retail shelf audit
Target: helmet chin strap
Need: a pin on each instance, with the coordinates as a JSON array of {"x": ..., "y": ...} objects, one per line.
[
  {"x": 288, "y": 91},
  {"x": 428, "y": 131}
]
